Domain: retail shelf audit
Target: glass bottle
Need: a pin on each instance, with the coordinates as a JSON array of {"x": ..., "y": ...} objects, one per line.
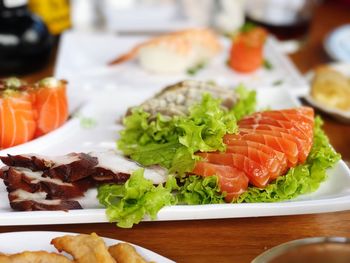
[{"x": 25, "y": 42}]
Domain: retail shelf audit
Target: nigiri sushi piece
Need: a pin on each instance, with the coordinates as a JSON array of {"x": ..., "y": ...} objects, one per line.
[
  {"x": 175, "y": 52},
  {"x": 231, "y": 180},
  {"x": 17, "y": 124},
  {"x": 50, "y": 104}
]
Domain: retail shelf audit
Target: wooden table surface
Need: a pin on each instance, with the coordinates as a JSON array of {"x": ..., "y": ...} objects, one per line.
[{"x": 236, "y": 240}]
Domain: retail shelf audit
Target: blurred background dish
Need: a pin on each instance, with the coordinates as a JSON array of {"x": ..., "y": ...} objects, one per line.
[
  {"x": 82, "y": 64},
  {"x": 330, "y": 90},
  {"x": 315, "y": 249},
  {"x": 337, "y": 45}
]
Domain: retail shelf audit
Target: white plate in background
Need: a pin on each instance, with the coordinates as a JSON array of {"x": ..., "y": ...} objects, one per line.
[
  {"x": 337, "y": 45},
  {"x": 83, "y": 57},
  {"x": 16, "y": 242},
  {"x": 108, "y": 107},
  {"x": 341, "y": 115}
]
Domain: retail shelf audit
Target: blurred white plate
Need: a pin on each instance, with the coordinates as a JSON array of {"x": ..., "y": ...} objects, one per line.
[
  {"x": 337, "y": 45},
  {"x": 83, "y": 57},
  {"x": 341, "y": 115},
  {"x": 16, "y": 242},
  {"x": 109, "y": 106}
]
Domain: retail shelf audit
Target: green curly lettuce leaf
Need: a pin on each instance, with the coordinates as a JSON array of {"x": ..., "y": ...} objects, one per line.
[
  {"x": 196, "y": 190},
  {"x": 128, "y": 204},
  {"x": 246, "y": 104},
  {"x": 172, "y": 142}
]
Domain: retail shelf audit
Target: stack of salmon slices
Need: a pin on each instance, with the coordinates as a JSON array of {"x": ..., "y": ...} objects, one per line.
[
  {"x": 28, "y": 111},
  {"x": 267, "y": 145}
]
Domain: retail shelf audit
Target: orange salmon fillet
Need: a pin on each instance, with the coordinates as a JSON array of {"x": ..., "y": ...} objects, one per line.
[{"x": 17, "y": 123}]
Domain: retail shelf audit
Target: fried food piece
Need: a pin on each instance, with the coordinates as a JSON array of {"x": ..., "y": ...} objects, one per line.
[
  {"x": 125, "y": 253},
  {"x": 84, "y": 248},
  {"x": 331, "y": 88},
  {"x": 34, "y": 257}
]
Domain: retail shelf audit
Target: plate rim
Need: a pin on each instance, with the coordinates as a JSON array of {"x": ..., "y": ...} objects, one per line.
[{"x": 49, "y": 234}]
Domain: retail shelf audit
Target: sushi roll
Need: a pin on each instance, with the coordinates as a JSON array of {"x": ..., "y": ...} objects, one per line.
[
  {"x": 247, "y": 51},
  {"x": 50, "y": 104},
  {"x": 17, "y": 122}
]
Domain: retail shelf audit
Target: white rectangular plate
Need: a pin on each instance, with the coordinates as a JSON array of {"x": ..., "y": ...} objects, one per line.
[
  {"x": 83, "y": 58},
  {"x": 107, "y": 108}
]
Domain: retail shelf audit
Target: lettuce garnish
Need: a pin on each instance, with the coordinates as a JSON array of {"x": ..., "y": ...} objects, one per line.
[
  {"x": 128, "y": 204},
  {"x": 172, "y": 142}
]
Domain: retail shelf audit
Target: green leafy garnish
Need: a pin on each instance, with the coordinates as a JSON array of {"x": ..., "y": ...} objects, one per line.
[
  {"x": 128, "y": 204},
  {"x": 196, "y": 190},
  {"x": 267, "y": 64},
  {"x": 277, "y": 82},
  {"x": 246, "y": 103},
  {"x": 85, "y": 122},
  {"x": 194, "y": 70},
  {"x": 172, "y": 142},
  {"x": 248, "y": 26}
]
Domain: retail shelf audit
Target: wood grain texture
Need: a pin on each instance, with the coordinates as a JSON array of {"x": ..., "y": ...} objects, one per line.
[{"x": 237, "y": 240}]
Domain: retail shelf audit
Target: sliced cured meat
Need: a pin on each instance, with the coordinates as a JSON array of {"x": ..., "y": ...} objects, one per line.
[
  {"x": 64, "y": 177},
  {"x": 25, "y": 179},
  {"x": 26, "y": 201},
  {"x": 115, "y": 168},
  {"x": 68, "y": 168}
]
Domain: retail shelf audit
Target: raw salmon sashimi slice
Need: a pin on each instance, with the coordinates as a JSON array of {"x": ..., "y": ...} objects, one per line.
[
  {"x": 304, "y": 131},
  {"x": 296, "y": 119},
  {"x": 267, "y": 145},
  {"x": 302, "y": 111},
  {"x": 302, "y": 114},
  {"x": 289, "y": 148},
  {"x": 231, "y": 180},
  {"x": 257, "y": 173},
  {"x": 279, "y": 156},
  {"x": 17, "y": 123},
  {"x": 50, "y": 104},
  {"x": 268, "y": 127},
  {"x": 302, "y": 145},
  {"x": 273, "y": 165}
]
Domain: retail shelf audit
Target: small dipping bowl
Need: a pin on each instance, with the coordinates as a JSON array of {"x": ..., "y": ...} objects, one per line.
[{"x": 309, "y": 250}]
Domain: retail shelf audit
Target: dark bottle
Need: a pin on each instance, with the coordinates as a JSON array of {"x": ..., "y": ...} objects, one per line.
[{"x": 25, "y": 42}]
